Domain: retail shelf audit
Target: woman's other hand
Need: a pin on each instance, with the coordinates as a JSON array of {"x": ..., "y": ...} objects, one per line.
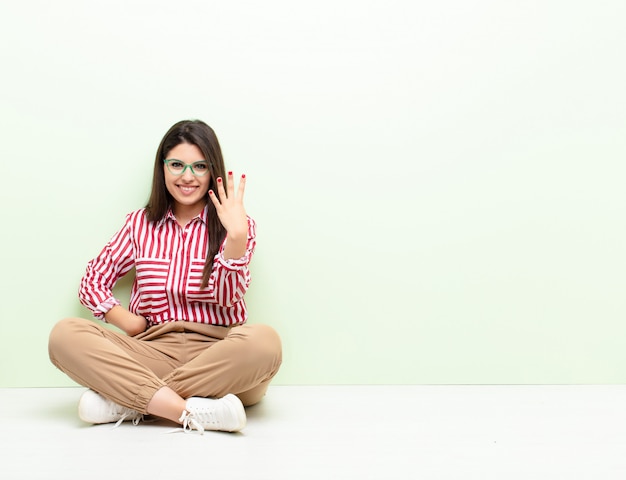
[{"x": 124, "y": 320}]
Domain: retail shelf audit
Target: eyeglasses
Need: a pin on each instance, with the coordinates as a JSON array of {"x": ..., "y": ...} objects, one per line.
[{"x": 176, "y": 167}]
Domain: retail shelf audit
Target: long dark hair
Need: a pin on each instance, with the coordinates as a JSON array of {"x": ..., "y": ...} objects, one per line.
[{"x": 198, "y": 133}]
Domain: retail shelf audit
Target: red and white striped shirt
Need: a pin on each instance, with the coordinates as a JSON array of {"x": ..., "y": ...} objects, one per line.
[{"x": 168, "y": 261}]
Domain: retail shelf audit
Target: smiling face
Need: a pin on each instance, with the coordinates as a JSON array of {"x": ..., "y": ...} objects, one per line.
[{"x": 189, "y": 192}]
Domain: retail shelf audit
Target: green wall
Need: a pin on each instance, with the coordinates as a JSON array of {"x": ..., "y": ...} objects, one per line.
[{"x": 438, "y": 186}]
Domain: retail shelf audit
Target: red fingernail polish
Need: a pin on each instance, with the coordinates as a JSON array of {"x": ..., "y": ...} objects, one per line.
[
  {"x": 243, "y": 175},
  {"x": 210, "y": 192},
  {"x": 230, "y": 173},
  {"x": 219, "y": 180}
]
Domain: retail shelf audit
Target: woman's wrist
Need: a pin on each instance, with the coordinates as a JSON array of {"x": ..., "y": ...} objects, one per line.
[{"x": 235, "y": 247}]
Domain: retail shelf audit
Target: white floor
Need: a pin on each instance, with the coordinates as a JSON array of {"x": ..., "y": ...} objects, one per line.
[{"x": 335, "y": 432}]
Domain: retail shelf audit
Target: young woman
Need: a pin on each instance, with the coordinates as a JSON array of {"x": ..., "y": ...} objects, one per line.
[{"x": 186, "y": 353}]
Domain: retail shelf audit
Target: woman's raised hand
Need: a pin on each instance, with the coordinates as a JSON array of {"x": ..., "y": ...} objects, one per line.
[{"x": 231, "y": 212}]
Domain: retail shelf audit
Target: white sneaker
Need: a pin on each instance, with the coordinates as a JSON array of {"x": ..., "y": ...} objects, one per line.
[
  {"x": 225, "y": 414},
  {"x": 94, "y": 408}
]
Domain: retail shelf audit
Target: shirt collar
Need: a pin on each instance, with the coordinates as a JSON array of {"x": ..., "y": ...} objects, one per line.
[{"x": 169, "y": 216}]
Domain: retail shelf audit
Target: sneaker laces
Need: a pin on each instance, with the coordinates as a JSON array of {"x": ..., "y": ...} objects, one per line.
[
  {"x": 190, "y": 423},
  {"x": 135, "y": 420},
  {"x": 124, "y": 413}
]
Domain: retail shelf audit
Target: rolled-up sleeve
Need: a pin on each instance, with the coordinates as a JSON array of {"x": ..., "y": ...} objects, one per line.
[
  {"x": 114, "y": 261},
  {"x": 230, "y": 278}
]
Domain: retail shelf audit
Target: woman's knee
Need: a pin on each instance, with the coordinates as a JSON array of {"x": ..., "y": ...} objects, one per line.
[
  {"x": 62, "y": 335},
  {"x": 266, "y": 339},
  {"x": 268, "y": 348},
  {"x": 261, "y": 345}
]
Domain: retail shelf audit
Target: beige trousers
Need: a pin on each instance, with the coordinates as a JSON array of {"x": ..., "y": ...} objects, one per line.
[{"x": 193, "y": 359}]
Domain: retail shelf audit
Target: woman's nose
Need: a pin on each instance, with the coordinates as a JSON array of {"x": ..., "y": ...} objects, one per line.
[{"x": 187, "y": 175}]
